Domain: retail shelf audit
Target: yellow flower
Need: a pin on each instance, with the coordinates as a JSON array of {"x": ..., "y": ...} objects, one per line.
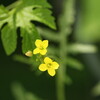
[
  {"x": 49, "y": 65},
  {"x": 41, "y": 47},
  {"x": 29, "y": 54}
]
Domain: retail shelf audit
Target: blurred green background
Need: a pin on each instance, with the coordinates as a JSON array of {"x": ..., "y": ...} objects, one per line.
[{"x": 86, "y": 30}]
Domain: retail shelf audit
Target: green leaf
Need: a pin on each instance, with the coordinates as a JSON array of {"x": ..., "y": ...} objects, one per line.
[
  {"x": 41, "y": 15},
  {"x": 21, "y": 13},
  {"x": 35, "y": 3},
  {"x": 23, "y": 17},
  {"x": 29, "y": 36},
  {"x": 3, "y": 15},
  {"x": 44, "y": 16},
  {"x": 3, "y": 12},
  {"x": 2, "y": 23},
  {"x": 74, "y": 63},
  {"x": 9, "y": 39},
  {"x": 81, "y": 48}
]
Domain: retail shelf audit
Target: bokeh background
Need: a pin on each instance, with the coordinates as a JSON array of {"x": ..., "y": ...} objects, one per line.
[{"x": 86, "y": 29}]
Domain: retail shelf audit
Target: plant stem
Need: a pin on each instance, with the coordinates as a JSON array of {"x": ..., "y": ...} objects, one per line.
[
  {"x": 62, "y": 70},
  {"x": 66, "y": 20}
]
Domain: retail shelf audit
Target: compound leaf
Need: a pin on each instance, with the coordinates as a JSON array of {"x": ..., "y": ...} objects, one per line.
[{"x": 21, "y": 15}]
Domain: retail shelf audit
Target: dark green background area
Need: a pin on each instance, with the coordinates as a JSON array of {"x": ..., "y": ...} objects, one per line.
[{"x": 44, "y": 86}]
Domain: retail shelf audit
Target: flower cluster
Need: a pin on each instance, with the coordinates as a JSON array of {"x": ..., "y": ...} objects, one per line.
[{"x": 47, "y": 64}]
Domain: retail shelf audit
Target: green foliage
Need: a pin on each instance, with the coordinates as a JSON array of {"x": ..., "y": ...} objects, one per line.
[
  {"x": 96, "y": 89},
  {"x": 32, "y": 62},
  {"x": 35, "y": 3},
  {"x": 29, "y": 35},
  {"x": 9, "y": 39},
  {"x": 3, "y": 12},
  {"x": 43, "y": 16},
  {"x": 65, "y": 48},
  {"x": 88, "y": 23},
  {"x": 21, "y": 94},
  {"x": 68, "y": 80},
  {"x": 3, "y": 15},
  {"x": 20, "y": 14},
  {"x": 67, "y": 16},
  {"x": 81, "y": 48},
  {"x": 74, "y": 63},
  {"x": 65, "y": 20},
  {"x": 23, "y": 59}
]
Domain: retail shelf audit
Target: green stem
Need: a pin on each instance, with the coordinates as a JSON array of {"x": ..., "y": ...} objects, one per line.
[
  {"x": 62, "y": 70},
  {"x": 60, "y": 85},
  {"x": 67, "y": 18}
]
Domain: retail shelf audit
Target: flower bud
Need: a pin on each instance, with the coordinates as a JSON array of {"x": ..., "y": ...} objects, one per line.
[{"x": 29, "y": 53}]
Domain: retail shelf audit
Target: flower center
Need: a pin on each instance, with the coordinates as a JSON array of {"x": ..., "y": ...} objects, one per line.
[
  {"x": 49, "y": 65},
  {"x": 41, "y": 48}
]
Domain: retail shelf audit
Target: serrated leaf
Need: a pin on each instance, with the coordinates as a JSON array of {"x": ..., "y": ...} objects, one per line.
[
  {"x": 35, "y": 3},
  {"x": 74, "y": 63},
  {"x": 29, "y": 35},
  {"x": 39, "y": 14},
  {"x": 44, "y": 16},
  {"x": 9, "y": 39},
  {"x": 21, "y": 15}
]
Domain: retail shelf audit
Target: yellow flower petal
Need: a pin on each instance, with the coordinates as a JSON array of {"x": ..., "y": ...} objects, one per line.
[
  {"x": 47, "y": 60},
  {"x": 38, "y": 43},
  {"x": 43, "y": 52},
  {"x": 42, "y": 67},
  {"x": 45, "y": 44},
  {"x": 55, "y": 65},
  {"x": 35, "y": 51},
  {"x": 51, "y": 71}
]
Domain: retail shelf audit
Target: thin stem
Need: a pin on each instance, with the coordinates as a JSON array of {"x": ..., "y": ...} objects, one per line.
[
  {"x": 60, "y": 85},
  {"x": 62, "y": 70}
]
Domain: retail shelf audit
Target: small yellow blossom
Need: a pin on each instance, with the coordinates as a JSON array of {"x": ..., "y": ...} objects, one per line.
[
  {"x": 49, "y": 65},
  {"x": 29, "y": 53},
  {"x": 41, "y": 47}
]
